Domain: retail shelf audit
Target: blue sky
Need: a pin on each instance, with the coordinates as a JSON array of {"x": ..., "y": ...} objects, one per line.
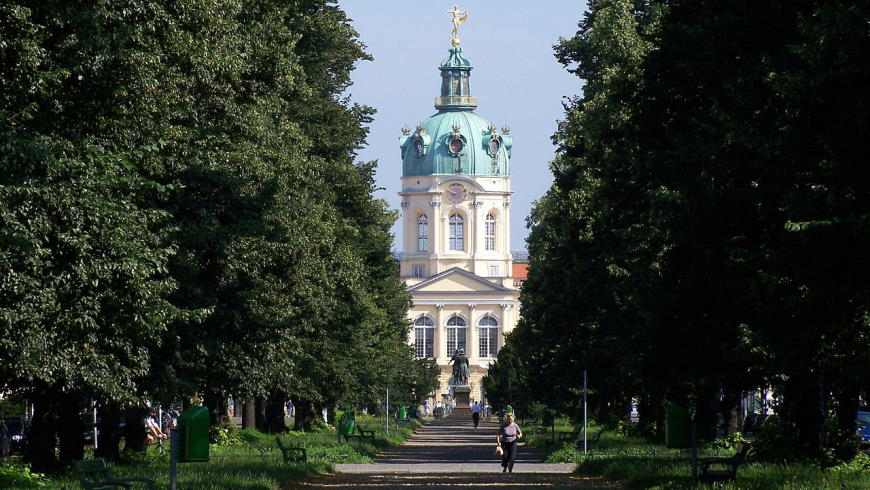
[{"x": 516, "y": 80}]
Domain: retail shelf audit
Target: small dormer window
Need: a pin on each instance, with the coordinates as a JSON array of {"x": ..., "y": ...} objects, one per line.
[
  {"x": 456, "y": 145},
  {"x": 494, "y": 146},
  {"x": 420, "y": 141},
  {"x": 418, "y": 146}
]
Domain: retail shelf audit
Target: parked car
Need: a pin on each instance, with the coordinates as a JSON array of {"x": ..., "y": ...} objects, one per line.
[
  {"x": 863, "y": 424},
  {"x": 17, "y": 429}
]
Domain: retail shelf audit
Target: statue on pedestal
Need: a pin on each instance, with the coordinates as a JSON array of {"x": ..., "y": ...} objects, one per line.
[{"x": 460, "y": 367}]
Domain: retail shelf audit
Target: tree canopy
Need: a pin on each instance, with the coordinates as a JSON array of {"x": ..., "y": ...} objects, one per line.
[
  {"x": 183, "y": 214},
  {"x": 704, "y": 233}
]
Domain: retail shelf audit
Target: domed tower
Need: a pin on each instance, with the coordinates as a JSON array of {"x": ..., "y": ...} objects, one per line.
[
  {"x": 456, "y": 186},
  {"x": 456, "y": 258}
]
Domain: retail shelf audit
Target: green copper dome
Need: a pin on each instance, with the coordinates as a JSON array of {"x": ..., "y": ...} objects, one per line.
[{"x": 455, "y": 140}]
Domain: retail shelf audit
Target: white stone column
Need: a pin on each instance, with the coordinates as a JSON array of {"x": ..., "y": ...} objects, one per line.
[
  {"x": 440, "y": 337},
  {"x": 473, "y": 334},
  {"x": 506, "y": 320}
]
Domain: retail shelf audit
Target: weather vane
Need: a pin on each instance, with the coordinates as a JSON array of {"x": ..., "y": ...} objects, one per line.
[{"x": 459, "y": 17}]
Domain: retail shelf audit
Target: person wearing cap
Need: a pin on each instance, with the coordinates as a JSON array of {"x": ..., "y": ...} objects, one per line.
[{"x": 152, "y": 428}]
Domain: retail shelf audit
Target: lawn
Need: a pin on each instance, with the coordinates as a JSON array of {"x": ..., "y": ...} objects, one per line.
[
  {"x": 641, "y": 464},
  {"x": 250, "y": 461}
]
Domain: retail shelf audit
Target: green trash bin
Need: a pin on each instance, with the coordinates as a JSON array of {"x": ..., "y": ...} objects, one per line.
[
  {"x": 403, "y": 413},
  {"x": 347, "y": 423},
  {"x": 193, "y": 425},
  {"x": 676, "y": 426}
]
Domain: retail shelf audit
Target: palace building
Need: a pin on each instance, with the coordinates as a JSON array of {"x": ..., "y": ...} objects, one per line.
[{"x": 456, "y": 259}]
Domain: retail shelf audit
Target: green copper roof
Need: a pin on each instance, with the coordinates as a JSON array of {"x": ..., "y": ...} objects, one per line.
[{"x": 456, "y": 140}]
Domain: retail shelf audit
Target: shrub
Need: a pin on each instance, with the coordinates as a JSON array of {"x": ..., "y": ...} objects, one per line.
[{"x": 19, "y": 475}]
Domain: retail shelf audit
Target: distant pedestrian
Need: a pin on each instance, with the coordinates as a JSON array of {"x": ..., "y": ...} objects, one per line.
[
  {"x": 475, "y": 413},
  {"x": 426, "y": 408},
  {"x": 508, "y": 435}
]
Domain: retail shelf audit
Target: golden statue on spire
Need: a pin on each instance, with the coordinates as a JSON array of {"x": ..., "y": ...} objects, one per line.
[{"x": 458, "y": 18}]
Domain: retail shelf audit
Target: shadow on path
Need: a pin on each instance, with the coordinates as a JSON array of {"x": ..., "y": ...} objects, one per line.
[{"x": 452, "y": 453}]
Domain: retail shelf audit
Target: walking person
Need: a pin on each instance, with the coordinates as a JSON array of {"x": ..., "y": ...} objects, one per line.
[
  {"x": 475, "y": 413},
  {"x": 507, "y": 438}
]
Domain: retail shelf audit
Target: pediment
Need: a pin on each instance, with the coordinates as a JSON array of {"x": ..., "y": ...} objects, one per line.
[{"x": 457, "y": 280}]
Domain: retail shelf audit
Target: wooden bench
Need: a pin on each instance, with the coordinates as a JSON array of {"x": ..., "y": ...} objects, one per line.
[
  {"x": 94, "y": 475},
  {"x": 591, "y": 444},
  {"x": 726, "y": 468},
  {"x": 360, "y": 434},
  {"x": 291, "y": 453},
  {"x": 571, "y": 436}
]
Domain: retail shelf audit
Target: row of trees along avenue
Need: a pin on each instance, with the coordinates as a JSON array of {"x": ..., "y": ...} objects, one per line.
[
  {"x": 708, "y": 226},
  {"x": 181, "y": 216}
]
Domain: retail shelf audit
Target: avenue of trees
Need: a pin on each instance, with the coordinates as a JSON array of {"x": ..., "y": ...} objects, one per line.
[
  {"x": 708, "y": 228},
  {"x": 181, "y": 217}
]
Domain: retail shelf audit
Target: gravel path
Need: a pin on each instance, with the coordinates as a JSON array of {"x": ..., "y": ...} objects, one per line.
[{"x": 452, "y": 453}]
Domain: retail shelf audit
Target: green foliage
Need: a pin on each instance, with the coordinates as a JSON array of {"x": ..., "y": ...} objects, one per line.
[
  {"x": 225, "y": 436},
  {"x": 19, "y": 475},
  {"x": 705, "y": 230},
  {"x": 181, "y": 211},
  {"x": 640, "y": 464}
]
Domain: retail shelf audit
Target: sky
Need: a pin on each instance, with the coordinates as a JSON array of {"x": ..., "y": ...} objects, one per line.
[{"x": 516, "y": 79}]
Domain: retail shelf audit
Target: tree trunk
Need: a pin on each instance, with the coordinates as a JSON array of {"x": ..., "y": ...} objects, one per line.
[
  {"x": 705, "y": 414},
  {"x": 844, "y": 441},
  {"x": 42, "y": 439},
  {"x": 729, "y": 408},
  {"x": 330, "y": 413},
  {"x": 306, "y": 416},
  {"x": 134, "y": 429},
  {"x": 260, "y": 416},
  {"x": 71, "y": 429},
  {"x": 249, "y": 414},
  {"x": 109, "y": 434},
  {"x": 216, "y": 402},
  {"x": 801, "y": 407},
  {"x": 275, "y": 413}
]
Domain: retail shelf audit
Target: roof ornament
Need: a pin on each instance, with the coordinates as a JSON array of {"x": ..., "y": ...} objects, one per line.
[
  {"x": 405, "y": 130},
  {"x": 459, "y": 17}
]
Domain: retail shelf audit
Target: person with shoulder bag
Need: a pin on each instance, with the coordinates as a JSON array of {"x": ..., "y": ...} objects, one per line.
[{"x": 508, "y": 435}]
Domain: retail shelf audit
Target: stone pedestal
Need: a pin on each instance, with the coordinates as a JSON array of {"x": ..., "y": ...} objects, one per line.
[{"x": 462, "y": 396}]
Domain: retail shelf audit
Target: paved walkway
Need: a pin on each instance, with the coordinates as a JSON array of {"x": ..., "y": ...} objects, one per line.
[{"x": 452, "y": 453}]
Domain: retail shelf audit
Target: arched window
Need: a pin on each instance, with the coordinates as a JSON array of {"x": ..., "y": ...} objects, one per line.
[
  {"x": 456, "y": 334},
  {"x": 457, "y": 232},
  {"x": 488, "y": 336},
  {"x": 422, "y": 233},
  {"x": 489, "y": 232},
  {"x": 424, "y": 336}
]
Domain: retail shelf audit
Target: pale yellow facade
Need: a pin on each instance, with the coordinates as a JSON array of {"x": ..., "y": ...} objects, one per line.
[{"x": 455, "y": 281}]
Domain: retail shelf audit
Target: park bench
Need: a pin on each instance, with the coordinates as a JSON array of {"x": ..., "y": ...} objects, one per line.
[
  {"x": 725, "y": 469},
  {"x": 94, "y": 475},
  {"x": 291, "y": 453},
  {"x": 546, "y": 426},
  {"x": 591, "y": 444},
  {"x": 571, "y": 436},
  {"x": 360, "y": 434}
]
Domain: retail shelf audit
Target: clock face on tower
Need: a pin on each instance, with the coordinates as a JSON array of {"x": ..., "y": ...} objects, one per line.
[{"x": 456, "y": 193}]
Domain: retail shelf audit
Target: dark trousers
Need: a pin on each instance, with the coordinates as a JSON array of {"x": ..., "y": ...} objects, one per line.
[
  {"x": 510, "y": 452},
  {"x": 475, "y": 416}
]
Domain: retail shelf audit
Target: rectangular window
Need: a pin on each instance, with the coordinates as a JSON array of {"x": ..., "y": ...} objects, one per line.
[
  {"x": 457, "y": 238},
  {"x": 489, "y": 236},
  {"x": 493, "y": 270},
  {"x": 456, "y": 339},
  {"x": 488, "y": 341},
  {"x": 422, "y": 236},
  {"x": 424, "y": 341},
  {"x": 417, "y": 270}
]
